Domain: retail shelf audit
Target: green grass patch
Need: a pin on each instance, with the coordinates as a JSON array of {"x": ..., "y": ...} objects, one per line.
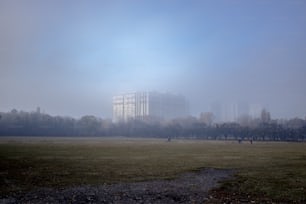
[{"x": 277, "y": 170}]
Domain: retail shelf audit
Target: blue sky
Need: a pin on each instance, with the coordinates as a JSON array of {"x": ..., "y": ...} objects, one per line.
[{"x": 70, "y": 57}]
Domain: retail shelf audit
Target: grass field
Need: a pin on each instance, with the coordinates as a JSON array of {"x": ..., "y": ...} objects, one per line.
[{"x": 276, "y": 170}]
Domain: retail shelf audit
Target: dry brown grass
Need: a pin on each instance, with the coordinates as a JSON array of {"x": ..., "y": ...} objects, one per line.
[{"x": 277, "y": 170}]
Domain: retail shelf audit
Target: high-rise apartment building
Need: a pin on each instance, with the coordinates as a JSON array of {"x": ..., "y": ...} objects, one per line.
[{"x": 148, "y": 105}]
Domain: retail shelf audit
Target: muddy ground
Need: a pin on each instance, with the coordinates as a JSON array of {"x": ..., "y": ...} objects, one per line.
[{"x": 194, "y": 187}]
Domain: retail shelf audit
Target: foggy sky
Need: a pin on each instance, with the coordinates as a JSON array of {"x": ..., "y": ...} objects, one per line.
[{"x": 70, "y": 57}]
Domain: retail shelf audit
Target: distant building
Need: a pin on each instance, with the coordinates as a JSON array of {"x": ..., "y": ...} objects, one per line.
[
  {"x": 255, "y": 110},
  {"x": 38, "y": 110},
  {"x": 226, "y": 112},
  {"x": 215, "y": 108},
  {"x": 229, "y": 112},
  {"x": 148, "y": 106}
]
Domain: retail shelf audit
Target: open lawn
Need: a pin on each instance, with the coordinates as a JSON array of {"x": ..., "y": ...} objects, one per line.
[{"x": 275, "y": 170}]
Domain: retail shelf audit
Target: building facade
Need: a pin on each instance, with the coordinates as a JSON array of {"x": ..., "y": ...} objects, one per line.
[{"x": 148, "y": 106}]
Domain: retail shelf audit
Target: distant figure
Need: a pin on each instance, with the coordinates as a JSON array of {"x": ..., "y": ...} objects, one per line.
[
  {"x": 169, "y": 139},
  {"x": 251, "y": 141},
  {"x": 239, "y": 141}
]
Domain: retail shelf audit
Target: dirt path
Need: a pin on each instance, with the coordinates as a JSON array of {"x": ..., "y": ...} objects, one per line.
[{"x": 188, "y": 188}]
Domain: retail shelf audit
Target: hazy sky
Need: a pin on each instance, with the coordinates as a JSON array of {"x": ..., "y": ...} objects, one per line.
[{"x": 70, "y": 57}]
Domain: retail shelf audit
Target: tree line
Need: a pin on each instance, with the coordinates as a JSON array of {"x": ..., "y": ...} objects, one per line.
[{"x": 21, "y": 123}]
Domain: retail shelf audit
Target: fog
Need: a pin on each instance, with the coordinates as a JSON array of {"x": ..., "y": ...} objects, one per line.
[{"x": 70, "y": 57}]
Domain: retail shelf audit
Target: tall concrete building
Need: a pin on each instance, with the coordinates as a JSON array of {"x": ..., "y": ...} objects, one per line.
[{"x": 148, "y": 105}]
